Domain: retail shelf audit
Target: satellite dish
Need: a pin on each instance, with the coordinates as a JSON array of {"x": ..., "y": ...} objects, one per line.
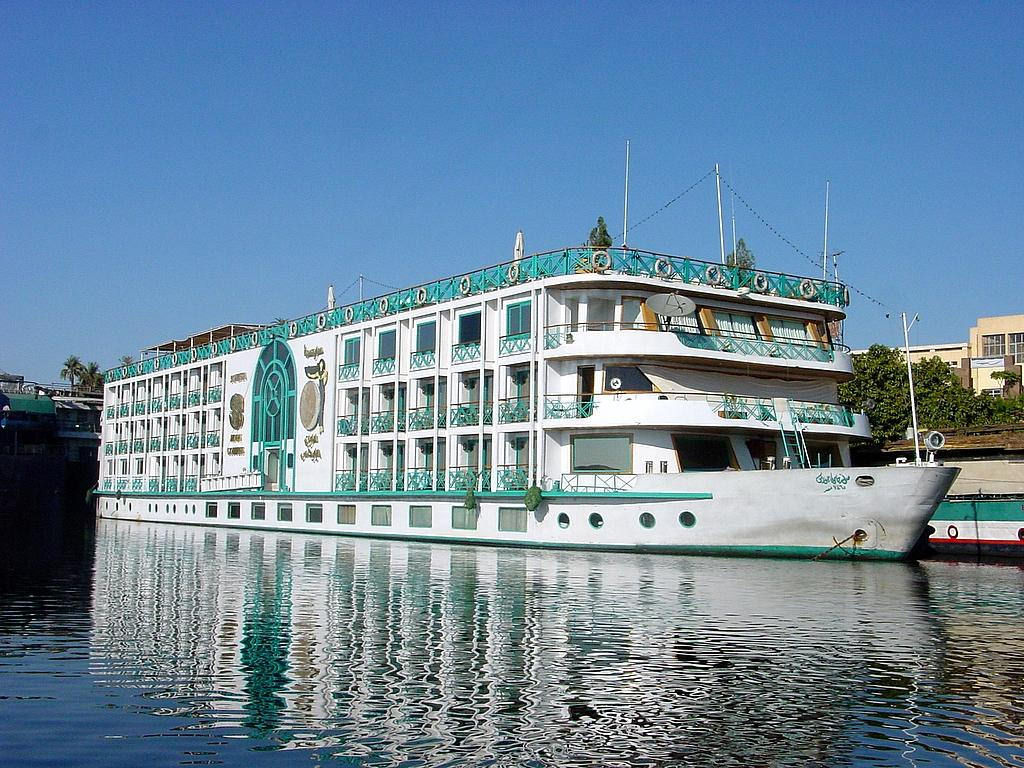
[
  {"x": 934, "y": 440},
  {"x": 670, "y": 305}
]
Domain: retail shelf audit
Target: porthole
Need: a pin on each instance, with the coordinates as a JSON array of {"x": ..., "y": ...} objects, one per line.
[
  {"x": 952, "y": 532},
  {"x": 563, "y": 520},
  {"x": 596, "y": 521},
  {"x": 687, "y": 519},
  {"x": 647, "y": 520},
  {"x": 1020, "y": 534},
  {"x": 865, "y": 481}
]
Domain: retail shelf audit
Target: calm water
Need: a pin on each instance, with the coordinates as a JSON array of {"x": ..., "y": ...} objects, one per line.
[{"x": 145, "y": 644}]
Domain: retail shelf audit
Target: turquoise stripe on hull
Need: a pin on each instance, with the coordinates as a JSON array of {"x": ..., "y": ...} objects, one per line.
[{"x": 980, "y": 510}]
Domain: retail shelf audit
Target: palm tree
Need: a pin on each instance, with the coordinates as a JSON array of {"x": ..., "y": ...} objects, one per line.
[
  {"x": 92, "y": 377},
  {"x": 72, "y": 370}
]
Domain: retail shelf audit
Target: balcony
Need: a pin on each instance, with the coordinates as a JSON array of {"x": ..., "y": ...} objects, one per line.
[
  {"x": 156, "y": 405},
  {"x": 174, "y": 401},
  {"x": 345, "y": 480},
  {"x": 110, "y": 411},
  {"x": 124, "y": 410},
  {"x": 346, "y": 426},
  {"x": 464, "y": 478},
  {"x": 382, "y": 421},
  {"x": 154, "y": 484},
  {"x": 212, "y": 439},
  {"x": 568, "y": 406},
  {"x": 738, "y": 407},
  {"x": 383, "y": 365},
  {"x": 191, "y": 483},
  {"x": 513, "y": 409},
  {"x": 213, "y": 395},
  {"x": 138, "y": 445},
  {"x": 122, "y": 446},
  {"x": 171, "y": 485},
  {"x": 420, "y": 360},
  {"x": 750, "y": 344},
  {"x": 348, "y": 372},
  {"x": 382, "y": 480},
  {"x": 108, "y": 449},
  {"x": 138, "y": 484},
  {"x": 821, "y": 413},
  {"x": 173, "y": 442},
  {"x": 154, "y": 444},
  {"x": 122, "y": 483},
  {"x": 597, "y": 483},
  {"x": 514, "y": 344},
  {"x": 139, "y": 409},
  {"x": 422, "y": 480},
  {"x": 513, "y": 477},
  {"x": 466, "y": 352},
  {"x": 421, "y": 418},
  {"x": 108, "y": 483},
  {"x": 468, "y": 414},
  {"x": 192, "y": 441},
  {"x": 194, "y": 398}
]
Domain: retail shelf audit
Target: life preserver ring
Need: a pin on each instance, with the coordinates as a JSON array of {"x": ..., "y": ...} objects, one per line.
[
  {"x": 349, "y": 314},
  {"x": 601, "y": 260},
  {"x": 293, "y": 329},
  {"x": 124, "y": 372},
  {"x": 231, "y": 343},
  {"x": 663, "y": 268},
  {"x": 382, "y": 305},
  {"x": 713, "y": 274},
  {"x": 760, "y": 282},
  {"x": 807, "y": 289},
  {"x": 846, "y": 296},
  {"x": 321, "y": 321},
  {"x": 465, "y": 284},
  {"x": 513, "y": 272},
  {"x": 952, "y": 532},
  {"x": 421, "y": 295},
  {"x": 194, "y": 355},
  {"x": 254, "y": 337}
]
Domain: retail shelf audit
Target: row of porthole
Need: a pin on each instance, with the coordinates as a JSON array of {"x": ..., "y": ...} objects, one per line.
[{"x": 686, "y": 519}]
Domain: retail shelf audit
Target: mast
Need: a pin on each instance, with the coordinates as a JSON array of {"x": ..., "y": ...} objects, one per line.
[
  {"x": 625, "y": 201},
  {"x": 732, "y": 207},
  {"x": 824, "y": 250},
  {"x": 910, "y": 378},
  {"x": 721, "y": 226}
]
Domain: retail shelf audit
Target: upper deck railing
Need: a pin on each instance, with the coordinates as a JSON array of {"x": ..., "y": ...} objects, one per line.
[{"x": 539, "y": 266}]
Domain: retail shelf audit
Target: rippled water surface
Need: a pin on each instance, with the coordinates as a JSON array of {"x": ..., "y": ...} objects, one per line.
[{"x": 146, "y": 644}]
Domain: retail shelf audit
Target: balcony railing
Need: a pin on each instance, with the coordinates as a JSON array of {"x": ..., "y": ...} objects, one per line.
[
  {"x": 568, "y": 406},
  {"x": 138, "y": 484},
  {"x": 140, "y": 409},
  {"x": 513, "y": 477},
  {"x": 110, "y": 411},
  {"x": 173, "y": 442},
  {"x": 750, "y": 344},
  {"x": 466, "y": 352},
  {"x": 122, "y": 483},
  {"x": 382, "y": 421},
  {"x": 212, "y": 439},
  {"x": 597, "y": 483},
  {"x": 192, "y": 441},
  {"x": 154, "y": 484},
  {"x": 821, "y": 413},
  {"x": 108, "y": 483},
  {"x": 155, "y": 443},
  {"x": 464, "y": 478},
  {"x": 423, "y": 359},
  {"x": 156, "y": 405},
  {"x": 108, "y": 449},
  {"x": 122, "y": 446},
  {"x": 421, "y": 418},
  {"x": 383, "y": 365},
  {"x": 171, "y": 485},
  {"x": 468, "y": 414},
  {"x": 174, "y": 401},
  {"x": 193, "y": 398},
  {"x": 346, "y": 426},
  {"x": 382, "y": 480},
  {"x": 191, "y": 483},
  {"x": 422, "y": 480},
  {"x": 345, "y": 480},
  {"x": 213, "y": 395},
  {"x": 138, "y": 445},
  {"x": 514, "y": 344},
  {"x": 348, "y": 371},
  {"x": 124, "y": 410},
  {"x": 739, "y": 407},
  {"x": 513, "y": 409}
]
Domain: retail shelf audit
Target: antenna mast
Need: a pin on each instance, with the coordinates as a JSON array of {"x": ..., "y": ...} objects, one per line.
[
  {"x": 732, "y": 206},
  {"x": 824, "y": 251},
  {"x": 721, "y": 226},
  {"x": 625, "y": 202}
]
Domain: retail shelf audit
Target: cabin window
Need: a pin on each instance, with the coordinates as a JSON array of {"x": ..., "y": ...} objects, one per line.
[
  {"x": 419, "y": 516},
  {"x": 600, "y": 314},
  {"x": 258, "y": 511},
  {"x": 602, "y": 453},
  {"x": 380, "y": 514},
  {"x": 426, "y": 336},
  {"x": 512, "y": 519},
  {"x": 469, "y": 328},
  {"x": 517, "y": 318},
  {"x": 234, "y": 510},
  {"x": 211, "y": 509},
  {"x": 626, "y": 378},
  {"x": 734, "y": 324},
  {"x": 702, "y": 453},
  {"x": 284, "y": 513},
  {"x": 463, "y": 519},
  {"x": 386, "y": 344},
  {"x": 351, "y": 353},
  {"x": 346, "y": 514},
  {"x": 784, "y": 329},
  {"x": 314, "y": 513}
]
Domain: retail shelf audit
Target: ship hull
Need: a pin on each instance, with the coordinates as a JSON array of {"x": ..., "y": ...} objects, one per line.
[
  {"x": 984, "y": 526},
  {"x": 848, "y": 513}
]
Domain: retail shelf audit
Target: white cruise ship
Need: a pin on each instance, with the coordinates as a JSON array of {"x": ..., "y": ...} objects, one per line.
[{"x": 587, "y": 397}]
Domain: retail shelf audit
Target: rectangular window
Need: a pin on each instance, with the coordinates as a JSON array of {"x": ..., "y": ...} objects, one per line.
[
  {"x": 1016, "y": 347},
  {"x": 314, "y": 513},
  {"x": 426, "y": 337},
  {"x": 258, "y": 511},
  {"x": 211, "y": 509},
  {"x": 993, "y": 345},
  {"x": 284, "y": 513},
  {"x": 733, "y": 324},
  {"x": 234, "y": 510},
  {"x": 380, "y": 514},
  {"x": 346, "y": 514},
  {"x": 469, "y": 328},
  {"x": 602, "y": 453},
  {"x": 352, "y": 351},
  {"x": 463, "y": 519},
  {"x": 419, "y": 517},
  {"x": 517, "y": 318},
  {"x": 702, "y": 453},
  {"x": 386, "y": 344},
  {"x": 626, "y": 378},
  {"x": 512, "y": 519},
  {"x": 788, "y": 330}
]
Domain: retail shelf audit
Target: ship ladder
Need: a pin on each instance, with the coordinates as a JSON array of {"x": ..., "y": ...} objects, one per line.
[{"x": 793, "y": 443}]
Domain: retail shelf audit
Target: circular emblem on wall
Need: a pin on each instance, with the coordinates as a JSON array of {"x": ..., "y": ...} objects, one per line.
[
  {"x": 309, "y": 405},
  {"x": 237, "y": 416}
]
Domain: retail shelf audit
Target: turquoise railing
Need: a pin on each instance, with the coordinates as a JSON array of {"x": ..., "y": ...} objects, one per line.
[
  {"x": 193, "y": 399},
  {"x": 514, "y": 344},
  {"x": 192, "y": 441},
  {"x": 110, "y": 411},
  {"x": 512, "y": 477},
  {"x": 174, "y": 401},
  {"x": 466, "y": 352},
  {"x": 154, "y": 484},
  {"x": 156, "y": 405},
  {"x": 568, "y": 407},
  {"x": 468, "y": 414},
  {"x": 138, "y": 445},
  {"x": 107, "y": 484},
  {"x": 554, "y": 336},
  {"x": 124, "y": 410},
  {"x": 122, "y": 484},
  {"x": 345, "y": 480},
  {"x": 173, "y": 442},
  {"x": 821, "y": 413},
  {"x": 750, "y": 345},
  {"x": 212, "y": 439},
  {"x": 108, "y": 449},
  {"x": 420, "y": 480},
  {"x": 421, "y": 360},
  {"x": 122, "y": 446},
  {"x": 739, "y": 407},
  {"x": 421, "y": 418},
  {"x": 348, "y": 372},
  {"x": 191, "y": 481},
  {"x": 383, "y": 365},
  {"x": 382, "y": 421},
  {"x": 513, "y": 409},
  {"x": 464, "y": 478},
  {"x": 137, "y": 484},
  {"x": 213, "y": 395},
  {"x": 380, "y": 480},
  {"x": 538, "y": 266},
  {"x": 154, "y": 443},
  {"x": 140, "y": 409},
  {"x": 346, "y": 426},
  {"x": 171, "y": 485}
]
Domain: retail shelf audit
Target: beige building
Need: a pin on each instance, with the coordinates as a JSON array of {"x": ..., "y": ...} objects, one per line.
[{"x": 994, "y": 344}]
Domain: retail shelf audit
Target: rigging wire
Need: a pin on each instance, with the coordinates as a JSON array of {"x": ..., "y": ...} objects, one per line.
[{"x": 666, "y": 205}]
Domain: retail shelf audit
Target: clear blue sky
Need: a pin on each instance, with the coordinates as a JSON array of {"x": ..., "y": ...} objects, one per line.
[{"x": 171, "y": 167}]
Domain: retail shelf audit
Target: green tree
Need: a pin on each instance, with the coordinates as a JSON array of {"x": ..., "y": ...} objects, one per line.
[
  {"x": 599, "y": 237},
  {"x": 92, "y": 377},
  {"x": 1009, "y": 378},
  {"x": 126, "y": 360},
  {"x": 72, "y": 370},
  {"x": 742, "y": 257}
]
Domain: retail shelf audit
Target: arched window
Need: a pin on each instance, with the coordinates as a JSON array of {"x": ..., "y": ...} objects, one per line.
[{"x": 274, "y": 395}]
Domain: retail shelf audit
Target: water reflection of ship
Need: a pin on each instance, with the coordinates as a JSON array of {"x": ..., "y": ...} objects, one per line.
[{"x": 483, "y": 651}]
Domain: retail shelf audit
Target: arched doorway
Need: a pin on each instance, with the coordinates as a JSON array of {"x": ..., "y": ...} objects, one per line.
[{"x": 273, "y": 422}]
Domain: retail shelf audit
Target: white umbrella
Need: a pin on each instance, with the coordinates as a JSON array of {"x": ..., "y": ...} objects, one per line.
[
  {"x": 520, "y": 248},
  {"x": 330, "y": 297}
]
